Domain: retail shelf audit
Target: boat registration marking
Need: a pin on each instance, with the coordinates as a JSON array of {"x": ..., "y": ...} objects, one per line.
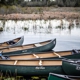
[
  {"x": 24, "y": 51},
  {"x": 40, "y": 67}
]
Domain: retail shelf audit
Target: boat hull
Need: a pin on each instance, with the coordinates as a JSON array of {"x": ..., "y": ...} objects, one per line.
[
  {"x": 31, "y": 67},
  {"x": 70, "y": 67},
  {"x": 30, "y": 70}
]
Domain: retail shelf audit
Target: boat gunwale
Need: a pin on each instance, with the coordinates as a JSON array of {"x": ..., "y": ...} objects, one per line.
[
  {"x": 71, "y": 61},
  {"x": 38, "y": 52},
  {"x": 22, "y": 37},
  {"x": 65, "y": 76},
  {"x": 31, "y": 44},
  {"x": 42, "y": 62},
  {"x": 33, "y": 59}
]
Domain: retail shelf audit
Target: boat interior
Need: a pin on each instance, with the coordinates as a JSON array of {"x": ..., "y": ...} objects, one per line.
[
  {"x": 38, "y": 55},
  {"x": 5, "y": 44},
  {"x": 32, "y": 62},
  {"x": 22, "y": 47}
]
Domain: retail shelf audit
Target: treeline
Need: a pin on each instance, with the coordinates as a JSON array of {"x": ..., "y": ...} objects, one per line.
[
  {"x": 11, "y": 2},
  {"x": 61, "y": 3},
  {"x": 68, "y": 3}
]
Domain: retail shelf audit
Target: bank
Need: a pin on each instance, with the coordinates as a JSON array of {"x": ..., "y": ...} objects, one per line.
[{"x": 45, "y": 13}]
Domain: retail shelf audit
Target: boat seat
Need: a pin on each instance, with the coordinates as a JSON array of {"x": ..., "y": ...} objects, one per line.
[
  {"x": 35, "y": 55},
  {"x": 40, "y": 62},
  {"x": 15, "y": 62},
  {"x": 57, "y": 54},
  {"x": 37, "y": 45},
  {"x": 11, "y": 42},
  {"x": 75, "y": 51}
]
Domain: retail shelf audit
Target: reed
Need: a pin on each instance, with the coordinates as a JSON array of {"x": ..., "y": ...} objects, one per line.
[
  {"x": 1, "y": 29},
  {"x": 9, "y": 76}
]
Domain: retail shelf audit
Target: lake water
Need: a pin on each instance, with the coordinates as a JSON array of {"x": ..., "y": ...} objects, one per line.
[{"x": 67, "y": 33}]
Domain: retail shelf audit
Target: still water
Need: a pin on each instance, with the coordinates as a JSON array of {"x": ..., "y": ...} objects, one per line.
[{"x": 67, "y": 33}]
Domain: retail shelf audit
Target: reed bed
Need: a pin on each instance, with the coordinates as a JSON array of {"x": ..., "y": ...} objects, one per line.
[{"x": 9, "y": 76}]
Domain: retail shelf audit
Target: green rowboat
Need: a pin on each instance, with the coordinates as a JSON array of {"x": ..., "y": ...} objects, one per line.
[
  {"x": 31, "y": 67},
  {"x": 43, "y": 55},
  {"x": 29, "y": 48}
]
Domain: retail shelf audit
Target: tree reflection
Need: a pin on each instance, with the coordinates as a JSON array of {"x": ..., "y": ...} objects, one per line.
[{"x": 40, "y": 26}]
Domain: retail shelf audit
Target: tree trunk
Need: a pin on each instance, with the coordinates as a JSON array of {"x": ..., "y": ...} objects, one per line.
[
  {"x": 60, "y": 3},
  {"x": 71, "y": 3}
]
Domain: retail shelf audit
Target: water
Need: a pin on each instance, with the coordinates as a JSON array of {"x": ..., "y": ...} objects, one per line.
[{"x": 66, "y": 33}]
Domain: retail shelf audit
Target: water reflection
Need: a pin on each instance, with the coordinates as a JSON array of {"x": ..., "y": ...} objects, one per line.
[{"x": 63, "y": 27}]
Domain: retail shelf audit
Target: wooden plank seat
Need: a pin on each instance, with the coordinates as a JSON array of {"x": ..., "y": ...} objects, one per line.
[
  {"x": 37, "y": 45},
  {"x": 40, "y": 62},
  {"x": 15, "y": 62},
  {"x": 36, "y": 56},
  {"x": 57, "y": 54}
]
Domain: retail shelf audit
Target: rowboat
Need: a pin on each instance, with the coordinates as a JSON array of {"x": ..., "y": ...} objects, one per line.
[
  {"x": 71, "y": 66},
  {"x": 54, "y": 76},
  {"x": 15, "y": 42},
  {"x": 43, "y": 55},
  {"x": 29, "y": 48},
  {"x": 31, "y": 67}
]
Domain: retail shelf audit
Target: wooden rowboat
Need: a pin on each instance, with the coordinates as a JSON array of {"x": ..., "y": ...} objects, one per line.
[
  {"x": 43, "y": 55},
  {"x": 15, "y": 42},
  {"x": 71, "y": 66},
  {"x": 29, "y": 48},
  {"x": 54, "y": 76},
  {"x": 31, "y": 67}
]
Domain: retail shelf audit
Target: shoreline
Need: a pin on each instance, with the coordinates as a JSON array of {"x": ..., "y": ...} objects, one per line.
[{"x": 45, "y": 13}]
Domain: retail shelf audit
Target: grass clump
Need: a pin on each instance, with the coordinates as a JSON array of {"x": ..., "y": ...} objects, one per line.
[
  {"x": 25, "y": 28},
  {"x": 1, "y": 29}
]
